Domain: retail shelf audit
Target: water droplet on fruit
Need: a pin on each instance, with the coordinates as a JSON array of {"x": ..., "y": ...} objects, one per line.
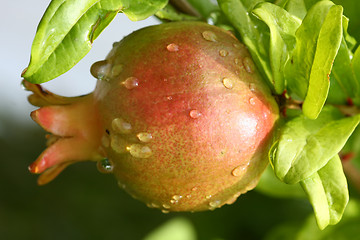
[
  {"x": 252, "y": 87},
  {"x": 116, "y": 70},
  {"x": 194, "y": 189},
  {"x": 105, "y": 141},
  {"x": 252, "y": 101},
  {"x": 139, "y": 151},
  {"x": 227, "y": 83},
  {"x": 121, "y": 126},
  {"x": 223, "y": 53},
  {"x": 105, "y": 166},
  {"x": 233, "y": 199},
  {"x": 188, "y": 196},
  {"x": 118, "y": 144},
  {"x": 237, "y": 45},
  {"x": 131, "y": 82},
  {"x": 214, "y": 204},
  {"x": 115, "y": 44},
  {"x": 172, "y": 47},
  {"x": 195, "y": 113},
  {"x": 239, "y": 170},
  {"x": 248, "y": 64},
  {"x": 154, "y": 205},
  {"x": 166, "y": 206},
  {"x": 144, "y": 137},
  {"x": 209, "y": 36},
  {"x": 176, "y": 197},
  {"x": 237, "y": 61},
  {"x": 100, "y": 69},
  {"x": 208, "y": 196},
  {"x": 169, "y": 98}
]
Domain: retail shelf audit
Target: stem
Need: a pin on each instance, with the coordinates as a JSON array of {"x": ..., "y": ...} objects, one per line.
[{"x": 185, "y": 7}]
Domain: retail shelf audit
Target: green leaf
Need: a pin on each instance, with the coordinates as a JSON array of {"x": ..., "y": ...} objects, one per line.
[
  {"x": 251, "y": 31},
  {"x": 282, "y": 27},
  {"x": 318, "y": 40},
  {"x": 270, "y": 185},
  {"x": 171, "y": 14},
  {"x": 328, "y": 44},
  {"x": 342, "y": 71},
  {"x": 297, "y": 8},
  {"x": 204, "y": 7},
  {"x": 68, "y": 28},
  {"x": 306, "y": 145},
  {"x": 328, "y": 193},
  {"x": 137, "y": 10},
  {"x": 175, "y": 229}
]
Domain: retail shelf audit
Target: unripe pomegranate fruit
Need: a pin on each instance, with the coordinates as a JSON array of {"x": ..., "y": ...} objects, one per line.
[{"x": 179, "y": 115}]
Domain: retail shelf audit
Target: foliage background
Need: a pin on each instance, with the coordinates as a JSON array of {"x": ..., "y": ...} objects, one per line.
[{"x": 83, "y": 203}]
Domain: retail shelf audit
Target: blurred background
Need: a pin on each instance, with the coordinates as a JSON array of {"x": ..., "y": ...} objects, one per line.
[{"x": 83, "y": 203}]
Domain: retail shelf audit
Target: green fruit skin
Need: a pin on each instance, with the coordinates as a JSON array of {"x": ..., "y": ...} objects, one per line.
[{"x": 199, "y": 96}]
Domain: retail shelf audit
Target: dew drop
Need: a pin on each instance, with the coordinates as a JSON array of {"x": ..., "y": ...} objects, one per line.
[
  {"x": 169, "y": 98},
  {"x": 214, "y": 204},
  {"x": 194, "y": 189},
  {"x": 172, "y": 47},
  {"x": 239, "y": 170},
  {"x": 166, "y": 206},
  {"x": 100, "y": 70},
  {"x": 121, "y": 126},
  {"x": 115, "y": 44},
  {"x": 252, "y": 87},
  {"x": 118, "y": 144},
  {"x": 131, "y": 83},
  {"x": 172, "y": 201},
  {"x": 144, "y": 137},
  {"x": 188, "y": 196},
  {"x": 227, "y": 83},
  {"x": 105, "y": 166},
  {"x": 209, "y": 36},
  {"x": 223, "y": 53},
  {"x": 248, "y": 64},
  {"x": 154, "y": 205},
  {"x": 139, "y": 151},
  {"x": 233, "y": 199},
  {"x": 252, "y": 101},
  {"x": 208, "y": 196},
  {"x": 176, "y": 197},
  {"x": 116, "y": 70},
  {"x": 195, "y": 113},
  {"x": 237, "y": 45},
  {"x": 105, "y": 141}
]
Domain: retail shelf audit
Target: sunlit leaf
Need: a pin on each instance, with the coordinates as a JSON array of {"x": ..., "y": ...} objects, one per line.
[
  {"x": 306, "y": 145},
  {"x": 175, "y": 229},
  {"x": 328, "y": 193},
  {"x": 68, "y": 28},
  {"x": 328, "y": 44},
  {"x": 282, "y": 27},
  {"x": 318, "y": 40}
]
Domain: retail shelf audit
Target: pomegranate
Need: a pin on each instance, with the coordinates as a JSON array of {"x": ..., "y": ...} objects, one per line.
[{"x": 180, "y": 116}]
